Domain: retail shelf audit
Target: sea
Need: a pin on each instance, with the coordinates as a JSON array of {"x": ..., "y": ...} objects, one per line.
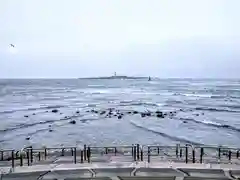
[{"x": 205, "y": 111}]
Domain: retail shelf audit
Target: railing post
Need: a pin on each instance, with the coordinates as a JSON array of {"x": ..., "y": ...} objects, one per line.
[
  {"x": 201, "y": 155},
  {"x": 229, "y": 155},
  {"x": 132, "y": 150},
  {"x": 193, "y": 155},
  {"x": 21, "y": 159},
  {"x": 158, "y": 150},
  {"x": 115, "y": 151},
  {"x": 82, "y": 152},
  {"x": 149, "y": 151},
  {"x": 180, "y": 152},
  {"x": 106, "y": 150},
  {"x": 88, "y": 154},
  {"x": 75, "y": 155},
  {"x": 177, "y": 150},
  {"x": 138, "y": 152},
  {"x": 63, "y": 152},
  {"x": 186, "y": 153},
  {"x": 39, "y": 156},
  {"x": 45, "y": 153},
  {"x": 141, "y": 154},
  {"x": 72, "y": 152},
  {"x": 237, "y": 154},
  {"x": 134, "y": 153},
  {"x": 219, "y": 153},
  {"x": 31, "y": 150},
  {"x": 12, "y": 158},
  {"x": 28, "y": 158},
  {"x": 1, "y": 155},
  {"x": 85, "y": 152}
]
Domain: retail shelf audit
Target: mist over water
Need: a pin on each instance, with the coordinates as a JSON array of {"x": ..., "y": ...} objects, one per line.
[{"x": 207, "y": 112}]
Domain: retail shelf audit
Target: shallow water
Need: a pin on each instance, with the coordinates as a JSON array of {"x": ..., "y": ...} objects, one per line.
[{"x": 208, "y": 112}]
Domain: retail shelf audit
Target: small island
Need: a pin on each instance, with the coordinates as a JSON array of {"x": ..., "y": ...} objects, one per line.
[{"x": 116, "y": 77}]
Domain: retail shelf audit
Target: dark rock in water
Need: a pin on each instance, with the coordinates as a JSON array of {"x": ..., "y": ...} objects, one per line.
[
  {"x": 148, "y": 114},
  {"x": 50, "y": 130},
  {"x": 165, "y": 114},
  {"x": 184, "y": 121},
  {"x": 27, "y": 138},
  {"x": 73, "y": 122},
  {"x": 65, "y": 117},
  {"x": 119, "y": 117},
  {"x": 115, "y": 115},
  {"x": 158, "y": 112},
  {"x": 50, "y": 125},
  {"x": 135, "y": 112},
  {"x": 46, "y": 111},
  {"x": 129, "y": 112},
  {"x": 160, "y": 116},
  {"x": 54, "y": 110},
  {"x": 92, "y": 110},
  {"x": 143, "y": 114},
  {"x": 197, "y": 114},
  {"x": 34, "y": 114},
  {"x": 25, "y": 116},
  {"x": 77, "y": 112},
  {"x": 203, "y": 113},
  {"x": 180, "y": 109},
  {"x": 87, "y": 111},
  {"x": 103, "y": 112},
  {"x": 61, "y": 113}
]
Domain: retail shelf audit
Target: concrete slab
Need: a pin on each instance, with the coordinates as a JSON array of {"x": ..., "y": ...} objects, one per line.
[{"x": 164, "y": 172}]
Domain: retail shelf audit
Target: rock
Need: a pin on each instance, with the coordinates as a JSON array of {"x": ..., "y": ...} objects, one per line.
[
  {"x": 197, "y": 114},
  {"x": 87, "y": 111},
  {"x": 135, "y": 112},
  {"x": 54, "y": 110},
  {"x": 65, "y": 117},
  {"x": 115, "y": 115},
  {"x": 180, "y": 109},
  {"x": 73, "y": 122},
  {"x": 165, "y": 114},
  {"x": 143, "y": 114},
  {"x": 148, "y": 114},
  {"x": 184, "y": 121},
  {"x": 158, "y": 112},
  {"x": 103, "y": 112},
  {"x": 203, "y": 113},
  {"x": 49, "y": 125},
  {"x": 119, "y": 117},
  {"x": 46, "y": 111},
  {"x": 34, "y": 114},
  {"x": 50, "y": 130},
  {"x": 27, "y": 138},
  {"x": 129, "y": 112},
  {"x": 61, "y": 113},
  {"x": 160, "y": 116},
  {"x": 77, "y": 112},
  {"x": 25, "y": 116}
]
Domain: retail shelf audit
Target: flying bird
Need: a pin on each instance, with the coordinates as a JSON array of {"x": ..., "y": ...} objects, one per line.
[{"x": 12, "y": 45}]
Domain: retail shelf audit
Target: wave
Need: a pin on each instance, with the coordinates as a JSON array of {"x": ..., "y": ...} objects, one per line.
[
  {"x": 209, "y": 123},
  {"x": 126, "y": 103},
  {"x": 21, "y": 126},
  {"x": 214, "y": 109},
  {"x": 174, "y": 138},
  {"x": 32, "y": 109}
]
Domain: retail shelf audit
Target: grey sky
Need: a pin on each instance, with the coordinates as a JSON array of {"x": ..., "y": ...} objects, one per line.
[{"x": 75, "y": 38}]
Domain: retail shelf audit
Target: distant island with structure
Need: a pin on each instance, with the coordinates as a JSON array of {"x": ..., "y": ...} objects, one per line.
[{"x": 115, "y": 76}]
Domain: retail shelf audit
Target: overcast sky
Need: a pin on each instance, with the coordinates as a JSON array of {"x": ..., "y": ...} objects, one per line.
[{"x": 76, "y": 38}]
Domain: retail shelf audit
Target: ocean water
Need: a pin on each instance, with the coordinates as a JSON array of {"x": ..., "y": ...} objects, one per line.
[{"x": 207, "y": 112}]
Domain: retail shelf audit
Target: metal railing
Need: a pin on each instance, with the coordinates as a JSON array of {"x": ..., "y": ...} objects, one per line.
[{"x": 184, "y": 153}]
